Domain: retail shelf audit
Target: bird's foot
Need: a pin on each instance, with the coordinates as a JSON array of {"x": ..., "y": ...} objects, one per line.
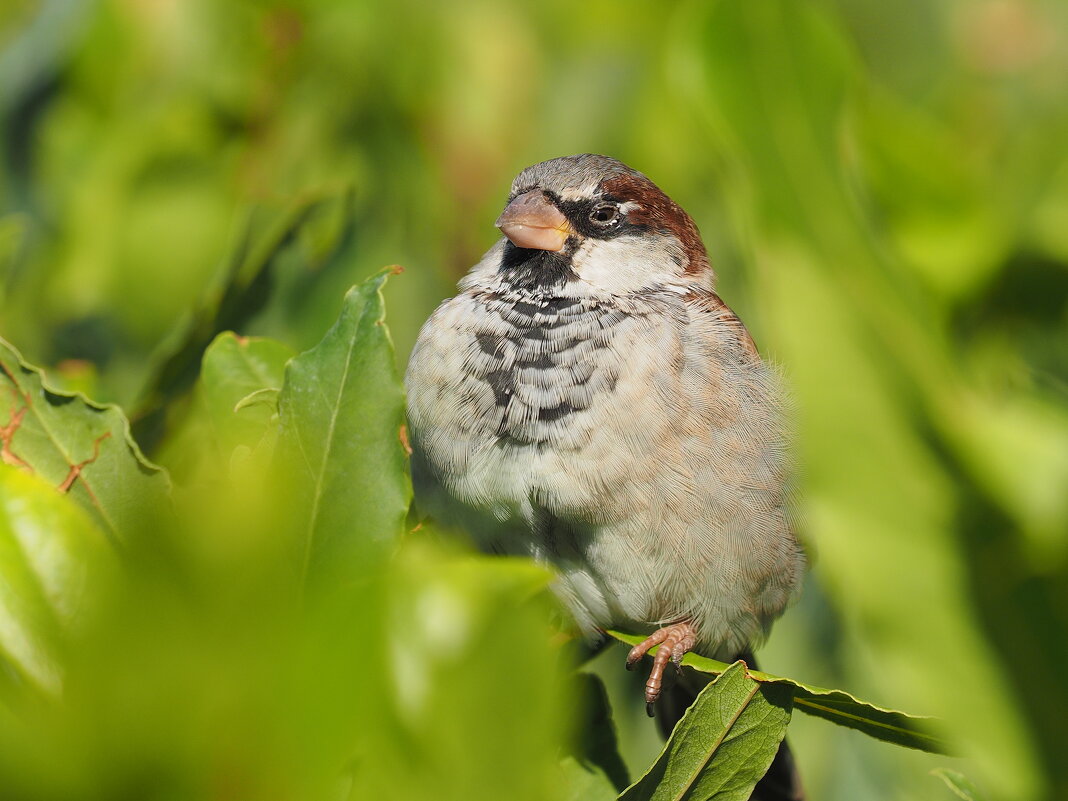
[{"x": 674, "y": 641}]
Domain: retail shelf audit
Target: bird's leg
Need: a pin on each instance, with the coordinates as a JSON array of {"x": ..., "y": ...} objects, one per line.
[{"x": 674, "y": 641}]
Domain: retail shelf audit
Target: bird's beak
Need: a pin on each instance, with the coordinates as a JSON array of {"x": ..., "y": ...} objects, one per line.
[{"x": 532, "y": 221}]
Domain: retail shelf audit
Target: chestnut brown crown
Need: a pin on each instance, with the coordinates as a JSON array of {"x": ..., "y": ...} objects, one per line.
[{"x": 593, "y": 196}]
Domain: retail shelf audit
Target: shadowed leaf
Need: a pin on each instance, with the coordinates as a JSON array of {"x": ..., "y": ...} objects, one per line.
[
  {"x": 596, "y": 745},
  {"x": 584, "y": 783}
]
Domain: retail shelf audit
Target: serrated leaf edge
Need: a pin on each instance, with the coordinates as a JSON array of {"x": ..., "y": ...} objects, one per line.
[{"x": 127, "y": 434}]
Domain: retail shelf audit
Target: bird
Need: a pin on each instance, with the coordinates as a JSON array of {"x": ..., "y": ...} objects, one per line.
[{"x": 587, "y": 399}]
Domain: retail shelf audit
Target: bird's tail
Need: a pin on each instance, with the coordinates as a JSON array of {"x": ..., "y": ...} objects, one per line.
[{"x": 782, "y": 782}]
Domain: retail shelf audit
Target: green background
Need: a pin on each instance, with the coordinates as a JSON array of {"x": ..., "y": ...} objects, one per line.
[{"x": 883, "y": 189}]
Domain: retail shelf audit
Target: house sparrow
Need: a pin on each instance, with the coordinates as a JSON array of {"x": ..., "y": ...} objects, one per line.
[{"x": 589, "y": 400}]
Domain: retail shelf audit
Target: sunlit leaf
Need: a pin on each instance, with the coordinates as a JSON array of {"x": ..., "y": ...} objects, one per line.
[
  {"x": 723, "y": 745},
  {"x": 49, "y": 551},
  {"x": 473, "y": 682},
  {"x": 837, "y": 706},
  {"x": 235, "y": 368},
  {"x": 342, "y": 413},
  {"x": 79, "y": 447}
]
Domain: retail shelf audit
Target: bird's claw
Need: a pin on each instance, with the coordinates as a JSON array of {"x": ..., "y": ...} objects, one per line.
[{"x": 674, "y": 642}]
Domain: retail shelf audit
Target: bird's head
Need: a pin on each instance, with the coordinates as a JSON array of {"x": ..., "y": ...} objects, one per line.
[{"x": 593, "y": 220}]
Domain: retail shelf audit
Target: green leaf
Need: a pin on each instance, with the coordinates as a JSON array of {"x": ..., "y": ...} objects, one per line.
[
  {"x": 961, "y": 786},
  {"x": 49, "y": 549},
  {"x": 837, "y": 706},
  {"x": 473, "y": 687},
  {"x": 234, "y": 369},
  {"x": 596, "y": 747},
  {"x": 584, "y": 782},
  {"x": 340, "y": 443},
  {"x": 268, "y": 396},
  {"x": 240, "y": 292},
  {"x": 723, "y": 745},
  {"x": 80, "y": 447}
]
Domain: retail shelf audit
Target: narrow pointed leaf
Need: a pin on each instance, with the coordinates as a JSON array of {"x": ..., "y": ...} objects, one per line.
[
  {"x": 80, "y": 447},
  {"x": 342, "y": 412},
  {"x": 722, "y": 746},
  {"x": 837, "y": 706}
]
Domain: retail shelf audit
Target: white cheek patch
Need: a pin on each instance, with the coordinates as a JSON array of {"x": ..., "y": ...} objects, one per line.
[{"x": 629, "y": 263}]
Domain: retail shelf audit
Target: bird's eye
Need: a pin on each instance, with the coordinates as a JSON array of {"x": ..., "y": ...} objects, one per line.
[{"x": 604, "y": 214}]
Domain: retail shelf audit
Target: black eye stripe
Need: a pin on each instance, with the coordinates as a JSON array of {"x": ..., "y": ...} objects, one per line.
[{"x": 582, "y": 216}]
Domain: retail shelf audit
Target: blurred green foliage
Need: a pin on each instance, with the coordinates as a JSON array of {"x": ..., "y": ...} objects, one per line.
[
  {"x": 884, "y": 192},
  {"x": 263, "y": 633}
]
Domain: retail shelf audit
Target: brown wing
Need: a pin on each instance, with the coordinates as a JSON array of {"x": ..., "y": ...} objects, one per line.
[{"x": 712, "y": 303}]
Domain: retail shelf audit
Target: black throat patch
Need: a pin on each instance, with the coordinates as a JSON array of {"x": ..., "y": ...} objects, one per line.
[{"x": 526, "y": 268}]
